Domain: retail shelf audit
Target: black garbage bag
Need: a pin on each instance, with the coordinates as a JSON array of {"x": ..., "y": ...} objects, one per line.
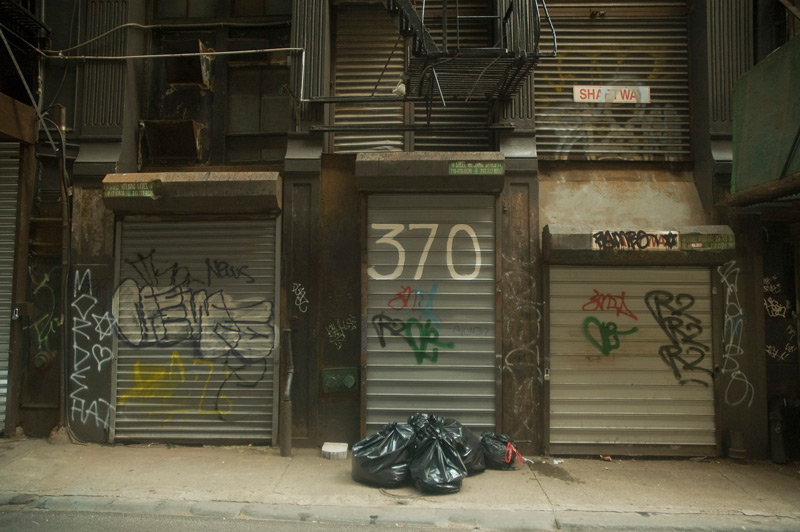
[
  {"x": 499, "y": 451},
  {"x": 467, "y": 443},
  {"x": 436, "y": 466},
  {"x": 419, "y": 421},
  {"x": 383, "y": 458}
]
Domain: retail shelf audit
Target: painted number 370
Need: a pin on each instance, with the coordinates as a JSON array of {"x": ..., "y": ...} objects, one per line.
[{"x": 393, "y": 230}]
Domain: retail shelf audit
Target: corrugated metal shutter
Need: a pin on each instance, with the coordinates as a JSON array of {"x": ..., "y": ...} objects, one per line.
[
  {"x": 473, "y": 33},
  {"x": 458, "y": 115},
  {"x": 366, "y": 66},
  {"x": 630, "y": 359},
  {"x": 633, "y": 43},
  {"x": 431, "y": 306},
  {"x": 197, "y": 316},
  {"x": 9, "y": 179}
]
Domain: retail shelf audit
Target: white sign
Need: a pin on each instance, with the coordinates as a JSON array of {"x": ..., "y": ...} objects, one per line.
[{"x": 611, "y": 94}]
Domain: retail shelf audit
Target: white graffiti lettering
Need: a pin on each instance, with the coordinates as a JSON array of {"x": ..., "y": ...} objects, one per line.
[
  {"x": 739, "y": 389},
  {"x": 300, "y": 299},
  {"x": 774, "y": 308},
  {"x": 88, "y": 354},
  {"x": 337, "y": 331}
]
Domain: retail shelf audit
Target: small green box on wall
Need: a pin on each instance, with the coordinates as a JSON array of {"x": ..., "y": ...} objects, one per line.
[{"x": 339, "y": 380}]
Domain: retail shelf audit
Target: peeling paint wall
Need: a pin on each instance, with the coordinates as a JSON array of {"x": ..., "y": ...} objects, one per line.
[{"x": 616, "y": 196}]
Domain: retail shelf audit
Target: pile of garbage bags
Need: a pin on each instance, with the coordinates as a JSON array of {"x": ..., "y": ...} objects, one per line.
[{"x": 433, "y": 452}]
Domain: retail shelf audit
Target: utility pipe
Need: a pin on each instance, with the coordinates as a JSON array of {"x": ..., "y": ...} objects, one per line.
[{"x": 285, "y": 413}]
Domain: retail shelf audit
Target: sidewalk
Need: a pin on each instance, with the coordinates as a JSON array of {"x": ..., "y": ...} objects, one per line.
[{"x": 257, "y": 483}]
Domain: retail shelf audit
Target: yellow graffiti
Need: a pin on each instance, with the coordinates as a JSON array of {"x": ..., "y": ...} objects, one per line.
[
  {"x": 157, "y": 382},
  {"x": 218, "y": 409},
  {"x": 154, "y": 384}
]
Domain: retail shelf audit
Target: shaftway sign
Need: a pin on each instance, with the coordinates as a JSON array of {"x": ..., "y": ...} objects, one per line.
[{"x": 611, "y": 94}]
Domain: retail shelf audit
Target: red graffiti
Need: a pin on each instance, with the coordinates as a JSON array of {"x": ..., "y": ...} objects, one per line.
[
  {"x": 602, "y": 302},
  {"x": 407, "y": 297}
]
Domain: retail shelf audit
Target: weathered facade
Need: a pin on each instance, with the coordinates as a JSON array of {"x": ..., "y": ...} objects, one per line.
[{"x": 301, "y": 220}]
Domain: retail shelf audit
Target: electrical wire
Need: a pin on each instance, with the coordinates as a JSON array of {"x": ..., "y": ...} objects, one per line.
[
  {"x": 66, "y": 67},
  {"x": 134, "y": 25},
  {"x": 23, "y": 39},
  {"x": 187, "y": 54},
  {"x": 152, "y": 56}
]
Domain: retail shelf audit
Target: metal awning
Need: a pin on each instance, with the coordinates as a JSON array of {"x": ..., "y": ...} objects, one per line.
[
  {"x": 482, "y": 172},
  {"x": 701, "y": 245},
  {"x": 193, "y": 192}
]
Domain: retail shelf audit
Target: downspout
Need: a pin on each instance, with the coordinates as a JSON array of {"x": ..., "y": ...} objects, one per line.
[
  {"x": 285, "y": 423},
  {"x": 66, "y": 236}
]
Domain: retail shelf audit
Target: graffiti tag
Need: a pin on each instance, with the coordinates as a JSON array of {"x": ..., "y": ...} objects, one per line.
[
  {"x": 607, "y": 332},
  {"x": 600, "y": 302},
  {"x": 684, "y": 352},
  {"x": 739, "y": 387}
]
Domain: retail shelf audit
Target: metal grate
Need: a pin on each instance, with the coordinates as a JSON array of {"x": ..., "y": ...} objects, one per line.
[
  {"x": 103, "y": 81},
  {"x": 730, "y": 56}
]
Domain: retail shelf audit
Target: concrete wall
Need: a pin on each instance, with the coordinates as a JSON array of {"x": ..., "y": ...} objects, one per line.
[{"x": 616, "y": 195}]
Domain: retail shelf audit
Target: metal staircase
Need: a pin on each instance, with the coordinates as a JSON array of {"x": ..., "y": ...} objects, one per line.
[{"x": 454, "y": 72}]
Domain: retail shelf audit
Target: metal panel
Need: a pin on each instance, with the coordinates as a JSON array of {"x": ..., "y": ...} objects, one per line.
[
  {"x": 765, "y": 136},
  {"x": 370, "y": 58},
  {"x": 630, "y": 358},
  {"x": 648, "y": 50},
  {"x": 431, "y": 306},
  {"x": 103, "y": 81},
  {"x": 196, "y": 312},
  {"x": 9, "y": 179}
]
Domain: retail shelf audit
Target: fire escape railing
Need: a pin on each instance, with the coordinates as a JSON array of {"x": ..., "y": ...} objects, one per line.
[
  {"x": 437, "y": 71},
  {"x": 495, "y": 72}
]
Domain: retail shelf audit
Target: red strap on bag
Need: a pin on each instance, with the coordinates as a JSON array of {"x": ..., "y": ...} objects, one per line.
[{"x": 510, "y": 452}]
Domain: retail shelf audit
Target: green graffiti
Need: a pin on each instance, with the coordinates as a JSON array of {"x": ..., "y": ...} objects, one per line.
[
  {"x": 427, "y": 335},
  {"x": 608, "y": 333}
]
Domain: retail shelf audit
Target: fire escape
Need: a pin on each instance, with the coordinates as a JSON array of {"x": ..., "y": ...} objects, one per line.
[
  {"x": 449, "y": 70},
  {"x": 447, "y": 64}
]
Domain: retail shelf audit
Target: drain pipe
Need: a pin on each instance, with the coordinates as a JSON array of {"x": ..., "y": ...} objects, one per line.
[{"x": 285, "y": 424}]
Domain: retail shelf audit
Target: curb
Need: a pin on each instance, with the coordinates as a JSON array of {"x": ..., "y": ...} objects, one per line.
[{"x": 530, "y": 520}]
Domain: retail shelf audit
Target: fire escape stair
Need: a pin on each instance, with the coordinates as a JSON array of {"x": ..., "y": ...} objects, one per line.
[{"x": 460, "y": 74}]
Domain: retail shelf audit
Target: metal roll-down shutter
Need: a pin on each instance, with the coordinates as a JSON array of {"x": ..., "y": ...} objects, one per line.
[
  {"x": 9, "y": 178},
  {"x": 630, "y": 360},
  {"x": 604, "y": 45},
  {"x": 197, "y": 320},
  {"x": 431, "y": 308}
]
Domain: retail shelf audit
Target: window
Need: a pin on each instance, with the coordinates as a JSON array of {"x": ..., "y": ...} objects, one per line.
[
  {"x": 229, "y": 109},
  {"x": 259, "y": 113}
]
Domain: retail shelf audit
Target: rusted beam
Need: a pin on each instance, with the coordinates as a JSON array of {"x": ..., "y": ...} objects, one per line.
[
  {"x": 770, "y": 191},
  {"x": 793, "y": 9},
  {"x": 17, "y": 120}
]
